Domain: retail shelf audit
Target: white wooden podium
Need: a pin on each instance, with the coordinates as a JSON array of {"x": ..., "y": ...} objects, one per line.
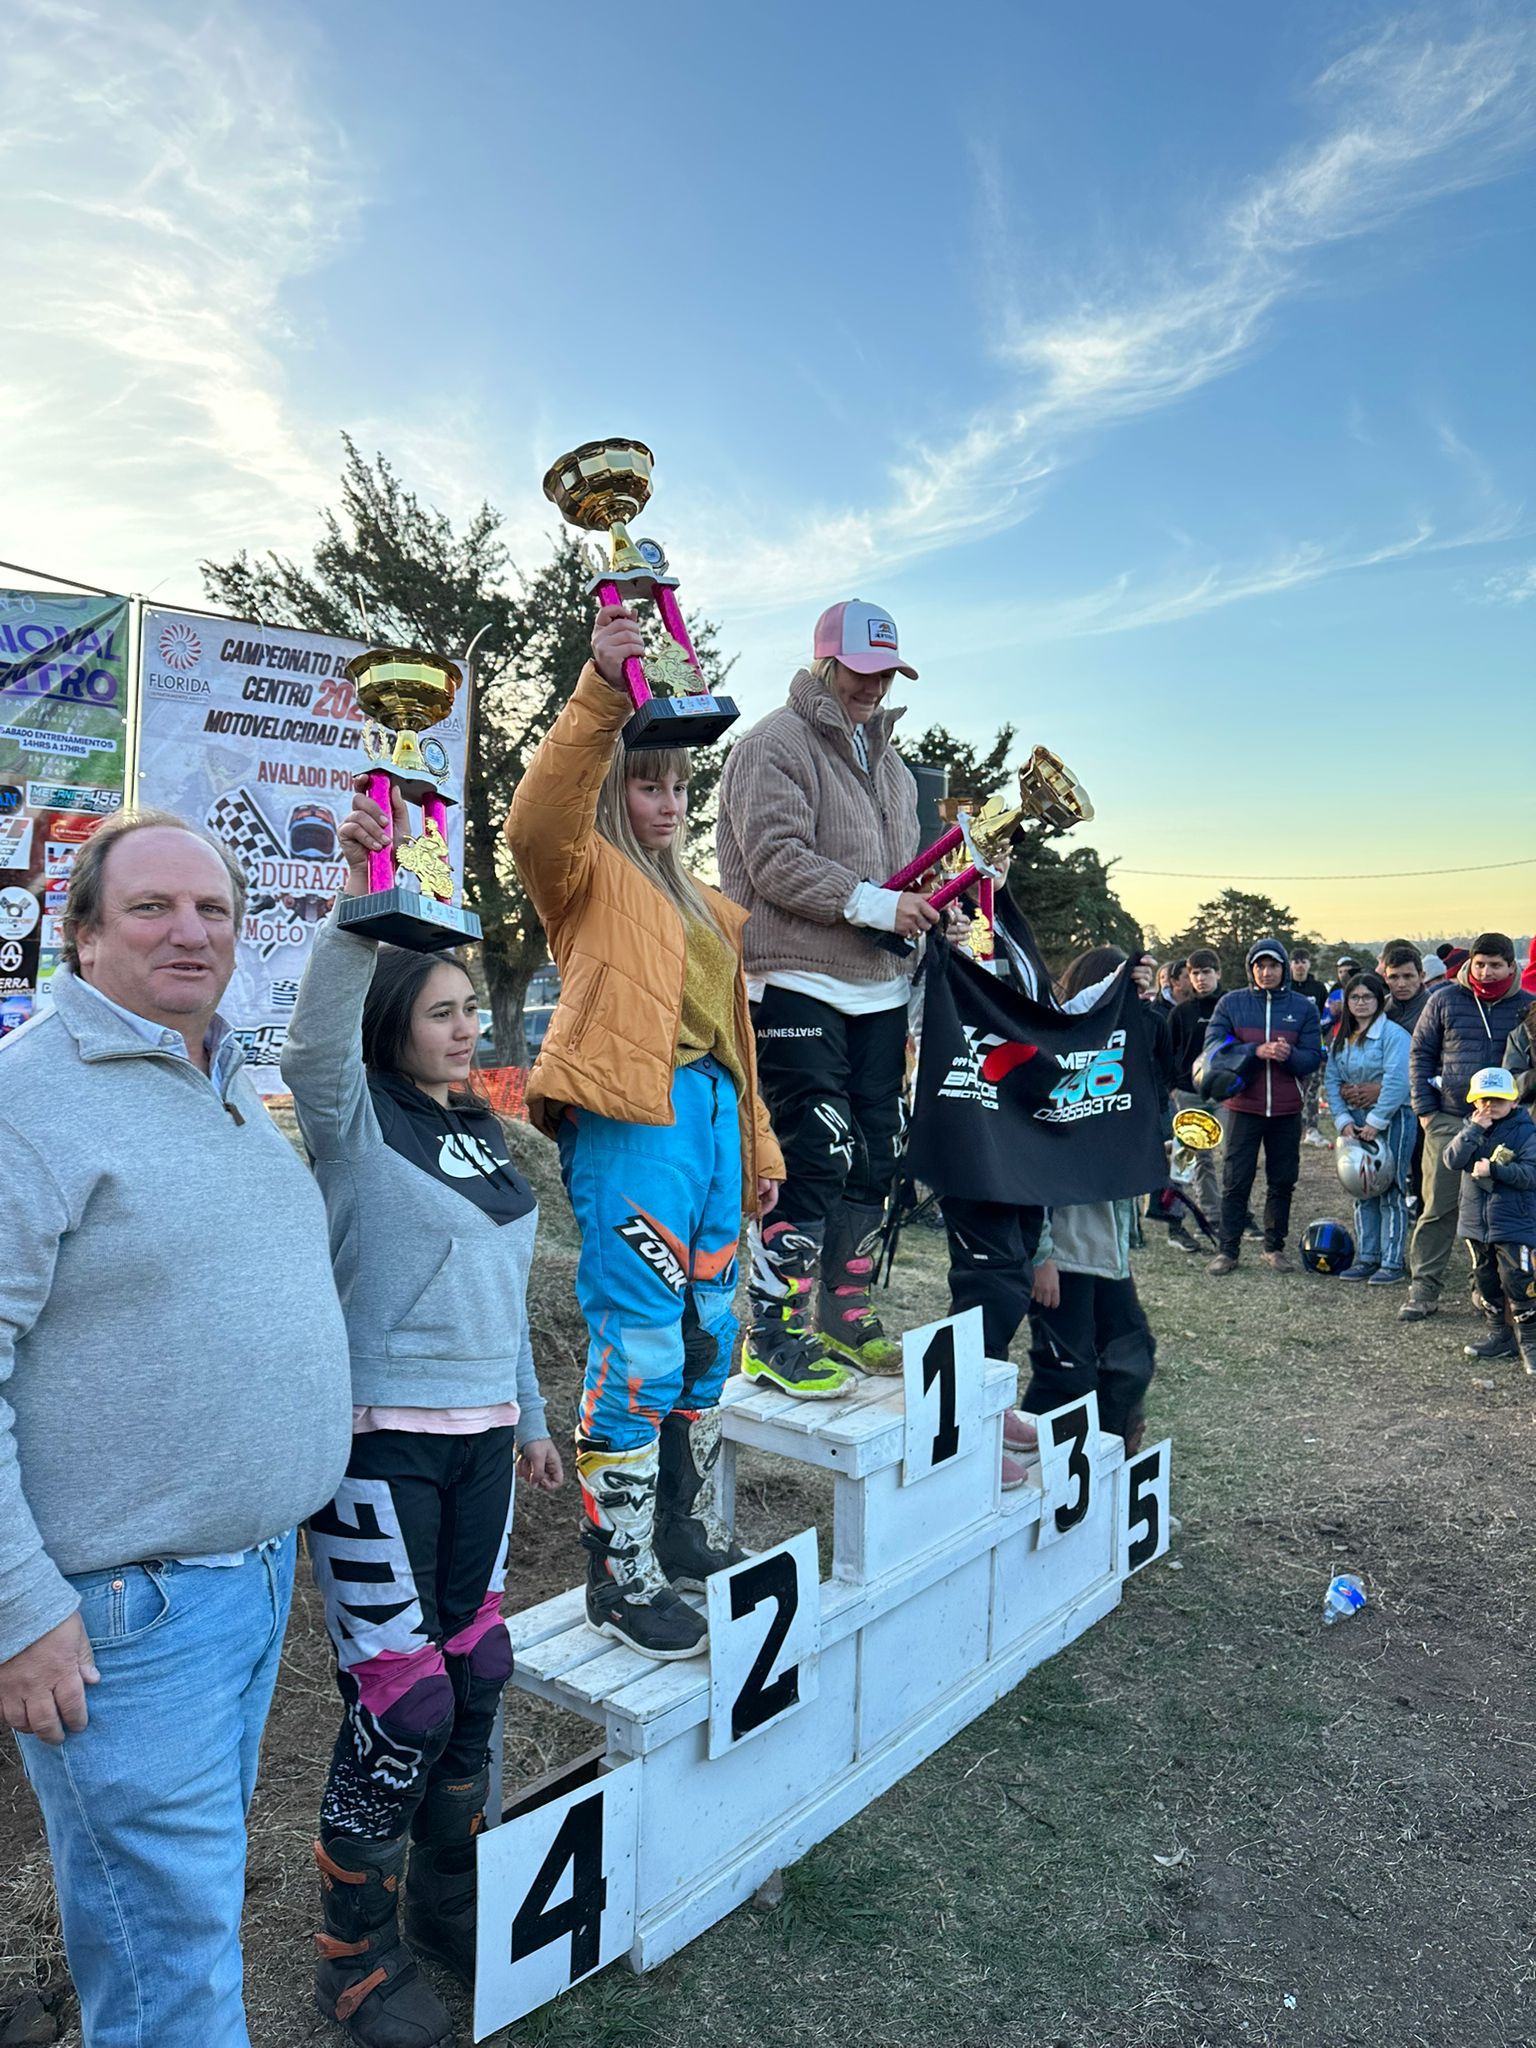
[{"x": 815, "y": 1696}]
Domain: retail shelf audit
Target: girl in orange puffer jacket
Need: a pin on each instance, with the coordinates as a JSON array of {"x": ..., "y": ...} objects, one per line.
[{"x": 648, "y": 1084}]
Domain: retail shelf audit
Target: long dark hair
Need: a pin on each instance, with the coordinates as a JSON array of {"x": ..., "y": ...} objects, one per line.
[
  {"x": 398, "y": 976},
  {"x": 1348, "y": 1027},
  {"x": 1090, "y": 967}
]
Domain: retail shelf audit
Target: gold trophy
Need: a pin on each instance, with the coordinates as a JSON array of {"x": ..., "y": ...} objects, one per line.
[
  {"x": 405, "y": 693},
  {"x": 1049, "y": 793},
  {"x": 600, "y": 487}
]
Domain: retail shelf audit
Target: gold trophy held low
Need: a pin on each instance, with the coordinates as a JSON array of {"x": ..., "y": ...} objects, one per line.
[
  {"x": 405, "y": 693},
  {"x": 600, "y": 487},
  {"x": 1050, "y": 795}
]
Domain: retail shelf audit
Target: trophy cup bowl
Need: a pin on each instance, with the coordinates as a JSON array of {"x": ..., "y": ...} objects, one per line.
[
  {"x": 600, "y": 487},
  {"x": 1049, "y": 791},
  {"x": 601, "y": 484},
  {"x": 407, "y": 692}
]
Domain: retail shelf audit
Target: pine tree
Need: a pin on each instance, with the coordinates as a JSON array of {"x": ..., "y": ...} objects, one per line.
[{"x": 1230, "y": 923}]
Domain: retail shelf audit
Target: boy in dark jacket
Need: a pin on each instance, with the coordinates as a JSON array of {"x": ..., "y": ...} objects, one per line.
[
  {"x": 1495, "y": 1153},
  {"x": 1186, "y": 1035},
  {"x": 1284, "y": 1038},
  {"x": 1462, "y": 1029}
]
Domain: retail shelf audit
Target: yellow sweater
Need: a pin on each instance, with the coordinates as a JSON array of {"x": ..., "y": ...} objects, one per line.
[{"x": 708, "y": 1022}]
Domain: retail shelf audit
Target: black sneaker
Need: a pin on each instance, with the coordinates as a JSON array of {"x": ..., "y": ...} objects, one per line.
[
  {"x": 1181, "y": 1240},
  {"x": 1499, "y": 1343}
]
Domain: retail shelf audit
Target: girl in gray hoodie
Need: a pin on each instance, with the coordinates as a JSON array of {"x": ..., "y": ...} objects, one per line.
[{"x": 432, "y": 1230}]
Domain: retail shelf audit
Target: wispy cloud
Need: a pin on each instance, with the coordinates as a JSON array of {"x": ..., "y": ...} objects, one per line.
[
  {"x": 1127, "y": 602},
  {"x": 1511, "y": 586},
  {"x": 1407, "y": 118},
  {"x": 168, "y": 178}
]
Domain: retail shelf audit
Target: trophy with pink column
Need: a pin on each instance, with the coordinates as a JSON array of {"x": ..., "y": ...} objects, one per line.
[
  {"x": 405, "y": 693},
  {"x": 976, "y": 842},
  {"x": 600, "y": 487}
]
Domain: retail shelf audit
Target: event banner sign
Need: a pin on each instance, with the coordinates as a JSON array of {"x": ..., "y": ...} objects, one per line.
[
  {"x": 254, "y": 731},
  {"x": 63, "y": 734}
]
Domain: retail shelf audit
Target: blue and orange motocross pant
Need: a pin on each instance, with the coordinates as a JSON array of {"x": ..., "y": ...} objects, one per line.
[{"x": 659, "y": 1210}]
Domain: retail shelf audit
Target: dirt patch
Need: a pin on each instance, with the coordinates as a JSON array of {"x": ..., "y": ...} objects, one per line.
[{"x": 1209, "y": 1822}]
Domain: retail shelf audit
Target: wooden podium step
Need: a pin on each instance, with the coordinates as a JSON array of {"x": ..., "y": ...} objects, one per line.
[{"x": 814, "y": 1697}]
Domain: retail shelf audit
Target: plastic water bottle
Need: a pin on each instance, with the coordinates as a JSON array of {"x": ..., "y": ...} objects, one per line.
[{"x": 1345, "y": 1596}]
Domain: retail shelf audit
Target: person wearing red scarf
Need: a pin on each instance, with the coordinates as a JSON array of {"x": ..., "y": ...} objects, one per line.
[{"x": 1462, "y": 1029}]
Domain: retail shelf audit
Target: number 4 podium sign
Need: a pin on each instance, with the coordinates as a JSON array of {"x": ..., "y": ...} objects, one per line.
[{"x": 816, "y": 1695}]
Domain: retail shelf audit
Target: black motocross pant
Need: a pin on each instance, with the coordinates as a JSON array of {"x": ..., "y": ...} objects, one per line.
[
  {"x": 409, "y": 1559},
  {"x": 1096, "y": 1340},
  {"x": 832, "y": 1084},
  {"x": 1503, "y": 1273},
  {"x": 1280, "y": 1138},
  {"x": 991, "y": 1264}
]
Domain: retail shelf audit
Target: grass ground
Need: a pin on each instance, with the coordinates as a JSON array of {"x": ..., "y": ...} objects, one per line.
[{"x": 1210, "y": 1822}]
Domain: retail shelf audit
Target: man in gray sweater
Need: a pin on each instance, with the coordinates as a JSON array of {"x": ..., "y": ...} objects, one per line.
[{"x": 176, "y": 1399}]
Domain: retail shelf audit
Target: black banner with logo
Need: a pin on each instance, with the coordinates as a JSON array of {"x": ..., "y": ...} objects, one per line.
[{"x": 1019, "y": 1102}]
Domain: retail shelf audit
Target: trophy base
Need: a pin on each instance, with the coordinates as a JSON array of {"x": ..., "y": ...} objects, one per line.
[
  {"x": 404, "y": 917},
  {"x": 680, "y": 722}
]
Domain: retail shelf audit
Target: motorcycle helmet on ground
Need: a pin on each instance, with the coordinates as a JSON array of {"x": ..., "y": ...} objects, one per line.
[
  {"x": 1223, "y": 1071},
  {"x": 1327, "y": 1248},
  {"x": 1364, "y": 1167}
]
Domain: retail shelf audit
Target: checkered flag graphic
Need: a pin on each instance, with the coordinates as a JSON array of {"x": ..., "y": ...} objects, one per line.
[{"x": 239, "y": 822}]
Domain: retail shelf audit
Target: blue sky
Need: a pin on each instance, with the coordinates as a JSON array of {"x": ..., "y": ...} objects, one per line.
[{"x": 1166, "y": 371}]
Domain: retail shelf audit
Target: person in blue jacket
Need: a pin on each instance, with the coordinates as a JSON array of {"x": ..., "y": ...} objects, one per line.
[
  {"x": 1369, "y": 1056},
  {"x": 1281, "y": 1030},
  {"x": 1494, "y": 1152}
]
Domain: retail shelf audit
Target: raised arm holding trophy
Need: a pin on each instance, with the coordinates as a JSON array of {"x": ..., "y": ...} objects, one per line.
[
  {"x": 600, "y": 487},
  {"x": 405, "y": 693}
]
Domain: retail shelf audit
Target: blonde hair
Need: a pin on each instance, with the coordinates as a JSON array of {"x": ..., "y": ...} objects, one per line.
[{"x": 658, "y": 864}]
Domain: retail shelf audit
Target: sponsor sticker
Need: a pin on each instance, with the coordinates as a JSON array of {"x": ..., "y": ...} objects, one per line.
[
  {"x": 68, "y": 796},
  {"x": 15, "y": 842},
  {"x": 19, "y": 913}
]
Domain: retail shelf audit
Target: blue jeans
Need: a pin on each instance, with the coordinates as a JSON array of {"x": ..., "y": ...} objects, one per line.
[
  {"x": 1381, "y": 1225},
  {"x": 145, "y": 1809}
]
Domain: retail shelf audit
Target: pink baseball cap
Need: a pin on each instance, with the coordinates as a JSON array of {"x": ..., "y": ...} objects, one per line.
[{"x": 861, "y": 637}]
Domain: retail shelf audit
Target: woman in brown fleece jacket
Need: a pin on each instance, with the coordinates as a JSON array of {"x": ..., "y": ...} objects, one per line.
[{"x": 816, "y": 809}]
